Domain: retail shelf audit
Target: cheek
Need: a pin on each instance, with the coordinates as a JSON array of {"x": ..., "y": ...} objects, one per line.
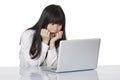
[
  {"x": 48, "y": 28},
  {"x": 59, "y": 29}
]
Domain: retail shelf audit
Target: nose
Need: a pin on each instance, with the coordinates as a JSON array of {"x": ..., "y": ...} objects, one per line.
[{"x": 55, "y": 27}]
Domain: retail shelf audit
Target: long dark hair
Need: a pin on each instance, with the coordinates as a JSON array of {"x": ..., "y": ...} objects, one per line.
[{"x": 51, "y": 14}]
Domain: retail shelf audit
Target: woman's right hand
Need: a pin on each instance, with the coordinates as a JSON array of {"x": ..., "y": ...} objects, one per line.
[{"x": 45, "y": 34}]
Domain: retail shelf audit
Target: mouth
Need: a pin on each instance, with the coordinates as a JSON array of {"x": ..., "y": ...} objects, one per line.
[{"x": 52, "y": 34}]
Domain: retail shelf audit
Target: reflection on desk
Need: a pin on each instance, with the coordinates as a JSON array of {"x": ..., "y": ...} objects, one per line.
[
  {"x": 101, "y": 73},
  {"x": 39, "y": 74}
]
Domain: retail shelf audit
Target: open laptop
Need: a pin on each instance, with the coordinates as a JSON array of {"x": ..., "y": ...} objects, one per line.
[{"x": 77, "y": 55}]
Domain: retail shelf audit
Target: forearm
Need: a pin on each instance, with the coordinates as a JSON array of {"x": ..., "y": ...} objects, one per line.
[
  {"x": 52, "y": 45},
  {"x": 52, "y": 57},
  {"x": 45, "y": 41}
]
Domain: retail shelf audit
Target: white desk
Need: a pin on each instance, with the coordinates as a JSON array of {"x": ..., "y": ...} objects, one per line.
[{"x": 101, "y": 73}]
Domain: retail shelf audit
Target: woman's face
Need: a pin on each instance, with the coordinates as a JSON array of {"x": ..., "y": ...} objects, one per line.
[{"x": 53, "y": 29}]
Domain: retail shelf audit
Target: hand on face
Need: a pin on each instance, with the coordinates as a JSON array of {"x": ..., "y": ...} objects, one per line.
[
  {"x": 46, "y": 35},
  {"x": 57, "y": 36}
]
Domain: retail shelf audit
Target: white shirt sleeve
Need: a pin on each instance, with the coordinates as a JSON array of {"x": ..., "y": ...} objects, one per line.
[
  {"x": 51, "y": 58},
  {"x": 26, "y": 41}
]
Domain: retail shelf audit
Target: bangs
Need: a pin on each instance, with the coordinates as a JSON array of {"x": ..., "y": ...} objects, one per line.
[{"x": 57, "y": 20}]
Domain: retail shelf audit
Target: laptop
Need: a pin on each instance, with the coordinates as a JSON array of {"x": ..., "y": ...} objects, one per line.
[{"x": 74, "y": 55}]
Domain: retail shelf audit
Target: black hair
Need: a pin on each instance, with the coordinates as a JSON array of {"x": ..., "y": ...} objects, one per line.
[{"x": 51, "y": 14}]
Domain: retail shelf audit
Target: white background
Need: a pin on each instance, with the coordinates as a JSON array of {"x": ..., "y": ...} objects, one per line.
[{"x": 84, "y": 19}]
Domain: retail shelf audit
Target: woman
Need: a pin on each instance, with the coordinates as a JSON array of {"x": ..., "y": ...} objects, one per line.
[{"x": 39, "y": 44}]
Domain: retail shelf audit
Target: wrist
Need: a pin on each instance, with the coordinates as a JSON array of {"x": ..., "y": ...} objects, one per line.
[
  {"x": 52, "y": 45},
  {"x": 52, "y": 41},
  {"x": 46, "y": 42}
]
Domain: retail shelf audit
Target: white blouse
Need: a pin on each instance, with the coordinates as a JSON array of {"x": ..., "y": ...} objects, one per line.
[{"x": 25, "y": 59}]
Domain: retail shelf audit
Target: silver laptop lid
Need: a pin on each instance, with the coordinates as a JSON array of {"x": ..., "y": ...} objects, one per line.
[{"x": 78, "y": 54}]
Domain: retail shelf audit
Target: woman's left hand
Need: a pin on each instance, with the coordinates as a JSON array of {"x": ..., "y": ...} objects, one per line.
[
  {"x": 54, "y": 39},
  {"x": 57, "y": 37}
]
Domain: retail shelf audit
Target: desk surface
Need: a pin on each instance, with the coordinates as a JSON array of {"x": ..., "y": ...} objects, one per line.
[{"x": 101, "y": 73}]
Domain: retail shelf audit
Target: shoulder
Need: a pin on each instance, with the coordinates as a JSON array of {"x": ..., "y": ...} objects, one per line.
[
  {"x": 27, "y": 35},
  {"x": 29, "y": 32}
]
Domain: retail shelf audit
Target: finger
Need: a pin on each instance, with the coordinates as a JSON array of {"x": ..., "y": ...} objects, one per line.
[
  {"x": 60, "y": 31},
  {"x": 57, "y": 35},
  {"x": 44, "y": 31},
  {"x": 48, "y": 33},
  {"x": 41, "y": 31},
  {"x": 60, "y": 34}
]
